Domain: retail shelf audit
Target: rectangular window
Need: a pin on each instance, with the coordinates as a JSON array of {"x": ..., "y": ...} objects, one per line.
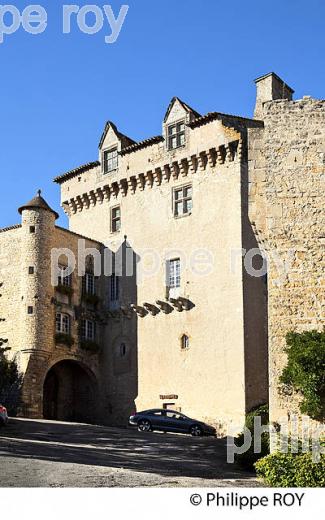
[
  {"x": 31, "y": 270},
  {"x": 88, "y": 284},
  {"x": 183, "y": 201},
  {"x": 114, "y": 288},
  {"x": 176, "y": 135},
  {"x": 174, "y": 273},
  {"x": 116, "y": 219},
  {"x": 63, "y": 323},
  {"x": 30, "y": 310},
  {"x": 63, "y": 278},
  {"x": 110, "y": 160},
  {"x": 32, "y": 229},
  {"x": 88, "y": 330}
]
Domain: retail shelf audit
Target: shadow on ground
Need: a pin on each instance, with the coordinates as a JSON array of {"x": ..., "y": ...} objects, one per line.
[{"x": 161, "y": 454}]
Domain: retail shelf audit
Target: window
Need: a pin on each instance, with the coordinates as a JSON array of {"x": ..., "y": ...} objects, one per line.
[
  {"x": 176, "y": 135},
  {"x": 183, "y": 201},
  {"x": 32, "y": 229},
  {"x": 123, "y": 349},
  {"x": 31, "y": 270},
  {"x": 110, "y": 160},
  {"x": 174, "y": 274},
  {"x": 115, "y": 288},
  {"x": 62, "y": 323},
  {"x": 116, "y": 219},
  {"x": 30, "y": 310},
  {"x": 175, "y": 415},
  {"x": 88, "y": 284},
  {"x": 63, "y": 278},
  {"x": 185, "y": 342},
  {"x": 88, "y": 330}
]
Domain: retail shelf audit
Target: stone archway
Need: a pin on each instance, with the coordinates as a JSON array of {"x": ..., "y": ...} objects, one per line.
[{"x": 70, "y": 393}]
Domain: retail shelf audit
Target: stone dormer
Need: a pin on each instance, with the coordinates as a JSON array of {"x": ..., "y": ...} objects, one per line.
[
  {"x": 175, "y": 126},
  {"x": 110, "y": 146}
]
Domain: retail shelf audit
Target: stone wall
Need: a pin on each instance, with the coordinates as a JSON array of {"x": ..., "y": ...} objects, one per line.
[
  {"x": 287, "y": 200},
  {"x": 10, "y": 299}
]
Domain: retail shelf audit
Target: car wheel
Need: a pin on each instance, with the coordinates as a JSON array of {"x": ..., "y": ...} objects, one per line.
[
  {"x": 196, "y": 431},
  {"x": 144, "y": 426}
]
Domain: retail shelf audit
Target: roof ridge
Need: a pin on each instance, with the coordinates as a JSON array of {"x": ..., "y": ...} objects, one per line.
[
  {"x": 80, "y": 169},
  {"x": 79, "y": 235},
  {"x": 9, "y": 228},
  {"x": 210, "y": 116},
  {"x": 142, "y": 144}
]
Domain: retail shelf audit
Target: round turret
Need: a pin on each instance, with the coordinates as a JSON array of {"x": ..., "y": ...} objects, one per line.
[{"x": 37, "y": 311}]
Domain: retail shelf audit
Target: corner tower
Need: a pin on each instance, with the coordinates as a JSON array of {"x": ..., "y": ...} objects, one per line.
[{"x": 37, "y": 311}]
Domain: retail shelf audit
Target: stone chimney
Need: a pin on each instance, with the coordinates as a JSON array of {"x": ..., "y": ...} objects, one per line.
[{"x": 268, "y": 88}]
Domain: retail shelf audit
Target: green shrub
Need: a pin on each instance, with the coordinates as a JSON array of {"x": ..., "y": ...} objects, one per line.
[
  {"x": 64, "y": 289},
  {"x": 289, "y": 470},
  {"x": 90, "y": 346},
  {"x": 64, "y": 339},
  {"x": 10, "y": 383},
  {"x": 248, "y": 459},
  {"x": 261, "y": 411},
  {"x": 92, "y": 299},
  {"x": 305, "y": 370}
]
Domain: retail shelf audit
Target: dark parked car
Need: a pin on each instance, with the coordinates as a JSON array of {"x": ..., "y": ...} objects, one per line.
[{"x": 169, "y": 421}]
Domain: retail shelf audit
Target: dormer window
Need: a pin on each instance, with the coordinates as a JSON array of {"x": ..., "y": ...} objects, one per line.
[
  {"x": 110, "y": 160},
  {"x": 176, "y": 135}
]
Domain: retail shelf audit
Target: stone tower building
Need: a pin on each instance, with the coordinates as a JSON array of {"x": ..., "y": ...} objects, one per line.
[
  {"x": 168, "y": 305},
  {"x": 286, "y": 163}
]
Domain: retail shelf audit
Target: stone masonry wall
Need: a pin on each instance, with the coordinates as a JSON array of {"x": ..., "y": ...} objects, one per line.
[
  {"x": 287, "y": 200},
  {"x": 10, "y": 246}
]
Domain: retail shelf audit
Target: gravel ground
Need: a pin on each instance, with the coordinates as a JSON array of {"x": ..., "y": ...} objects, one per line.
[{"x": 53, "y": 454}]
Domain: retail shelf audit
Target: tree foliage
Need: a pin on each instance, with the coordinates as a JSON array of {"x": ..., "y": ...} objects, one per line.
[
  {"x": 305, "y": 370},
  {"x": 10, "y": 383}
]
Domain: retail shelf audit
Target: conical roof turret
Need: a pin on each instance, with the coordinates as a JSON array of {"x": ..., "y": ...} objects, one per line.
[{"x": 38, "y": 203}]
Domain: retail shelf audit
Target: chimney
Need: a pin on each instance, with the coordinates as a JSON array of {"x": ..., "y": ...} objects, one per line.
[{"x": 268, "y": 88}]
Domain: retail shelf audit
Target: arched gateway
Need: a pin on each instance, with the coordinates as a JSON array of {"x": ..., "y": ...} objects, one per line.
[{"x": 69, "y": 393}]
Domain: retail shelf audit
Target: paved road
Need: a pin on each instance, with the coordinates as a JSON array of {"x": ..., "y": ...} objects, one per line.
[{"x": 52, "y": 454}]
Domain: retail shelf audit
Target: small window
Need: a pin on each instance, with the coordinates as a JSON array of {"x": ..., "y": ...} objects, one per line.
[
  {"x": 176, "y": 135},
  {"x": 30, "y": 310},
  {"x": 31, "y": 270},
  {"x": 185, "y": 342},
  {"x": 183, "y": 201},
  {"x": 88, "y": 284},
  {"x": 123, "y": 349},
  {"x": 32, "y": 229},
  {"x": 174, "y": 273},
  {"x": 110, "y": 160},
  {"x": 88, "y": 330},
  {"x": 63, "y": 278},
  {"x": 63, "y": 323},
  {"x": 116, "y": 219}
]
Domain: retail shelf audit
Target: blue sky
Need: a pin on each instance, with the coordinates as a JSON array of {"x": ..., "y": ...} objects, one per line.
[{"x": 58, "y": 90}]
